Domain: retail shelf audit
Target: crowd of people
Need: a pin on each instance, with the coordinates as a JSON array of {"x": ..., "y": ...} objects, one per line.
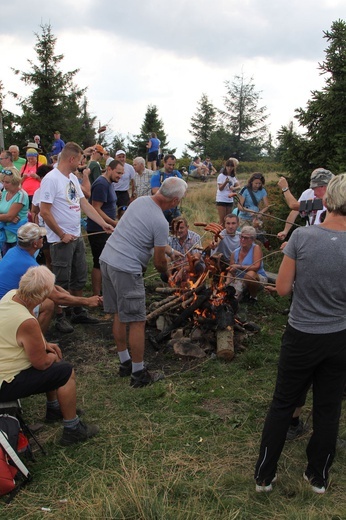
[{"x": 133, "y": 215}]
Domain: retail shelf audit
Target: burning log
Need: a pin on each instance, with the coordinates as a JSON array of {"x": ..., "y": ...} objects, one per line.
[
  {"x": 177, "y": 300},
  {"x": 187, "y": 313},
  {"x": 225, "y": 343}
]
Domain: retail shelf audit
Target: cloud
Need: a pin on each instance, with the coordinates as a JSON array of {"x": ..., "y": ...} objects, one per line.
[{"x": 135, "y": 53}]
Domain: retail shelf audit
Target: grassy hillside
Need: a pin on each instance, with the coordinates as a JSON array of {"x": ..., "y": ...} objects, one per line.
[{"x": 182, "y": 449}]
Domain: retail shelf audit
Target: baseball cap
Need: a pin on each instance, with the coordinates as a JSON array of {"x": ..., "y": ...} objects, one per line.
[
  {"x": 120, "y": 152},
  {"x": 320, "y": 177},
  {"x": 109, "y": 160},
  {"x": 30, "y": 231},
  {"x": 98, "y": 148}
]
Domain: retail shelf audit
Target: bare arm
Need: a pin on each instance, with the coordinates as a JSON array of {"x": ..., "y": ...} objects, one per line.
[
  {"x": 12, "y": 213},
  {"x": 289, "y": 223},
  {"x": 286, "y": 276},
  {"x": 291, "y": 201},
  {"x": 46, "y": 214},
  {"x": 35, "y": 210},
  {"x": 29, "y": 336},
  {"x": 91, "y": 212},
  {"x": 98, "y": 206},
  {"x": 160, "y": 260},
  {"x": 62, "y": 297}
]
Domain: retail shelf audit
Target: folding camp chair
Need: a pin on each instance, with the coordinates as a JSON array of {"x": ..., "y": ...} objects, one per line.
[{"x": 14, "y": 408}]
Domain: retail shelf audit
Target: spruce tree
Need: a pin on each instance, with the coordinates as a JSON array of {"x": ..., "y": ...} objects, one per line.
[
  {"x": 244, "y": 118},
  {"x": 151, "y": 123},
  {"x": 203, "y": 124},
  {"x": 323, "y": 140},
  {"x": 55, "y": 102}
]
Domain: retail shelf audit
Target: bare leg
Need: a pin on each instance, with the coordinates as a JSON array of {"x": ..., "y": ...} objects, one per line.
[
  {"x": 96, "y": 281},
  {"x": 119, "y": 333},
  {"x": 67, "y": 398},
  {"x": 222, "y": 211},
  {"x": 137, "y": 340},
  {"x": 250, "y": 279}
]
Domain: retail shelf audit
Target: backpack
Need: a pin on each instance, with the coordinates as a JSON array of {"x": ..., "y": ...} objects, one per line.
[{"x": 12, "y": 442}]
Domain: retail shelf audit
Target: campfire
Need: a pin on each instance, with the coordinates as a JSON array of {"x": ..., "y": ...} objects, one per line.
[{"x": 198, "y": 316}]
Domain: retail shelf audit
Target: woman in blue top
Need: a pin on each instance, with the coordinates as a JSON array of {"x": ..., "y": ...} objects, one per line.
[
  {"x": 251, "y": 198},
  {"x": 246, "y": 265}
]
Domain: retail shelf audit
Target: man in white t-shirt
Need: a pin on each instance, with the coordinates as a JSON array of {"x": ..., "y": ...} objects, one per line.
[
  {"x": 127, "y": 180},
  {"x": 61, "y": 203},
  {"x": 318, "y": 185}
]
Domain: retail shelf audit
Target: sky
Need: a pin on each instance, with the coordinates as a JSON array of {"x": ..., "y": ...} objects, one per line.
[{"x": 136, "y": 53}]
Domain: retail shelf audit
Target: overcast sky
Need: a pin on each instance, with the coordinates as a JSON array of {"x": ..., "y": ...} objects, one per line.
[{"x": 167, "y": 53}]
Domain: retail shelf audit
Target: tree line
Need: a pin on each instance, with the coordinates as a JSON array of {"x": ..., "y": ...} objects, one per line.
[{"x": 316, "y": 137}]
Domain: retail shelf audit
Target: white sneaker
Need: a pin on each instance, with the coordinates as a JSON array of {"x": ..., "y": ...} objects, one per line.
[
  {"x": 316, "y": 489},
  {"x": 265, "y": 489}
]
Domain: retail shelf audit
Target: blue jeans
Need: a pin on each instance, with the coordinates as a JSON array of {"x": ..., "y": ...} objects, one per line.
[{"x": 305, "y": 359}]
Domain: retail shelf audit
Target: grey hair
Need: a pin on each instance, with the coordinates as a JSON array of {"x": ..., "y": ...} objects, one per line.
[
  {"x": 249, "y": 230},
  {"x": 14, "y": 146},
  {"x": 139, "y": 160},
  {"x": 36, "y": 285},
  {"x": 335, "y": 197},
  {"x": 173, "y": 187}
]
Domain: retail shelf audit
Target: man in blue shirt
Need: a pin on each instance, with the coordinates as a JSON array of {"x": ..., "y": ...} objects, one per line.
[
  {"x": 17, "y": 261},
  {"x": 157, "y": 179},
  {"x": 58, "y": 144}
]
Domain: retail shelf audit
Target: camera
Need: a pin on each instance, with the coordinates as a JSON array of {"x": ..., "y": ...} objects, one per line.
[{"x": 307, "y": 206}]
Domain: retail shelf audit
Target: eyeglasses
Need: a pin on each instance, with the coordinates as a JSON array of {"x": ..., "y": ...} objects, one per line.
[
  {"x": 3, "y": 158},
  {"x": 7, "y": 172},
  {"x": 243, "y": 237}
]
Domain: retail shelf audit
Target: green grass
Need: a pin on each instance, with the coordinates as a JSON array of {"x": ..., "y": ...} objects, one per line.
[{"x": 182, "y": 449}]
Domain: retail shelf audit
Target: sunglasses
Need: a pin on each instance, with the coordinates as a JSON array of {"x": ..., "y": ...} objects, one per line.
[{"x": 7, "y": 172}]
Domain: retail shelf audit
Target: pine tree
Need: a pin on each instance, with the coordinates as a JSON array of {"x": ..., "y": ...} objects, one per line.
[
  {"x": 244, "y": 118},
  {"x": 325, "y": 116},
  {"x": 203, "y": 124},
  {"x": 151, "y": 123},
  {"x": 323, "y": 143},
  {"x": 55, "y": 102}
]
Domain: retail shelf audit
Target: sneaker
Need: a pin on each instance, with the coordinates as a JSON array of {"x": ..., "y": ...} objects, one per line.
[
  {"x": 80, "y": 433},
  {"x": 262, "y": 488},
  {"x": 62, "y": 325},
  {"x": 315, "y": 486},
  {"x": 54, "y": 414},
  {"x": 294, "y": 432},
  {"x": 84, "y": 317},
  {"x": 144, "y": 378},
  {"x": 125, "y": 369},
  {"x": 252, "y": 301}
]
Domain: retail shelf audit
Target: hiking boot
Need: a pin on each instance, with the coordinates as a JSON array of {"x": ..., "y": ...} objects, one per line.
[
  {"x": 317, "y": 487},
  {"x": 263, "y": 488},
  {"x": 62, "y": 325},
  {"x": 144, "y": 377},
  {"x": 125, "y": 369},
  {"x": 82, "y": 432},
  {"x": 294, "y": 432},
  {"x": 83, "y": 317},
  {"x": 54, "y": 414}
]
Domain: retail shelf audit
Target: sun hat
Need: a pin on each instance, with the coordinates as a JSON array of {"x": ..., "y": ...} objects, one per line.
[
  {"x": 320, "y": 177},
  {"x": 30, "y": 231}
]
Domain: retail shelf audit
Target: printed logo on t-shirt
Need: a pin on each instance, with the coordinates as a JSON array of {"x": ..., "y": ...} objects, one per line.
[{"x": 72, "y": 196}]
